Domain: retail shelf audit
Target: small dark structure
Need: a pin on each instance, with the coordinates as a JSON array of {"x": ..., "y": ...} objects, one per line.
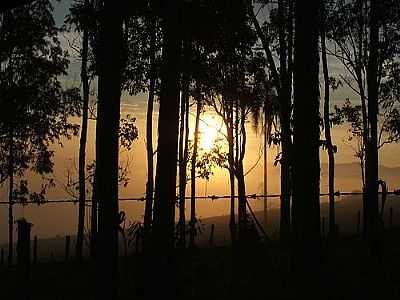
[
  {"x": 67, "y": 246},
  {"x": 23, "y": 256}
]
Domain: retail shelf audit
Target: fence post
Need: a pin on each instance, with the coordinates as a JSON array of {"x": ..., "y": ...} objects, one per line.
[
  {"x": 212, "y": 235},
  {"x": 67, "y": 243},
  {"x": 35, "y": 243},
  {"x": 23, "y": 257}
]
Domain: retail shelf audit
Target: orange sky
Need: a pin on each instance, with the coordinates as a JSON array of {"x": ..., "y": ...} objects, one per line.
[{"x": 52, "y": 219}]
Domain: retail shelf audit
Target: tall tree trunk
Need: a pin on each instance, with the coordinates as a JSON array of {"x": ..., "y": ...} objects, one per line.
[
  {"x": 285, "y": 112},
  {"x": 166, "y": 169},
  {"x": 11, "y": 198},
  {"x": 371, "y": 163},
  {"x": 306, "y": 168},
  {"x": 265, "y": 181},
  {"x": 168, "y": 128},
  {"x": 231, "y": 162},
  {"x": 107, "y": 148},
  {"x": 82, "y": 145},
  {"x": 193, "y": 219},
  {"x": 361, "y": 8},
  {"x": 282, "y": 83},
  {"x": 241, "y": 150},
  {"x": 328, "y": 136},
  {"x": 93, "y": 219},
  {"x": 149, "y": 133},
  {"x": 242, "y": 212},
  {"x": 183, "y": 143}
]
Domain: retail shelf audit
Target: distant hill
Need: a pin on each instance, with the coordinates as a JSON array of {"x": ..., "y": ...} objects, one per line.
[
  {"x": 347, "y": 208},
  {"x": 348, "y": 176}
]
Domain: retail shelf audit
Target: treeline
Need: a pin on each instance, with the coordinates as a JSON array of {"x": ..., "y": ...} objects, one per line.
[{"x": 246, "y": 60}]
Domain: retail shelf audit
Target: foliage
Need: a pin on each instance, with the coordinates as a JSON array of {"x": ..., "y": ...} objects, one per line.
[
  {"x": 128, "y": 134},
  {"x": 36, "y": 109}
]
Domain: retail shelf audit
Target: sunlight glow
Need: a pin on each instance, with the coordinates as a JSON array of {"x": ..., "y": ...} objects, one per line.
[{"x": 209, "y": 132}]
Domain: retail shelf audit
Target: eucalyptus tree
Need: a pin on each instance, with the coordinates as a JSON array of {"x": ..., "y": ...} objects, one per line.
[
  {"x": 82, "y": 17},
  {"x": 36, "y": 110},
  {"x": 277, "y": 34},
  {"x": 330, "y": 147},
  {"x": 152, "y": 74},
  {"x": 366, "y": 37},
  {"x": 168, "y": 129},
  {"x": 237, "y": 80},
  {"x": 110, "y": 66},
  {"x": 306, "y": 141}
]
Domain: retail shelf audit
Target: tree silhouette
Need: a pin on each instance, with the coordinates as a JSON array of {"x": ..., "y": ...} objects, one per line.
[
  {"x": 306, "y": 164},
  {"x": 281, "y": 21},
  {"x": 81, "y": 14},
  {"x": 365, "y": 37},
  {"x": 110, "y": 67},
  {"x": 35, "y": 108},
  {"x": 331, "y": 149}
]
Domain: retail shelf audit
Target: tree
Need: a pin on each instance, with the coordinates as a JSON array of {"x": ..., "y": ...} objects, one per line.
[
  {"x": 80, "y": 15},
  {"x": 282, "y": 23},
  {"x": 193, "y": 219},
  {"x": 35, "y": 108},
  {"x": 110, "y": 67},
  {"x": 241, "y": 89},
  {"x": 184, "y": 132},
  {"x": 165, "y": 184},
  {"x": 327, "y": 127},
  {"x": 364, "y": 38},
  {"x": 149, "y": 126},
  {"x": 306, "y": 165},
  {"x": 166, "y": 168}
]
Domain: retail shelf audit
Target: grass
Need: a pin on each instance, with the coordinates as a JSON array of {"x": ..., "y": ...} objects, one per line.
[{"x": 250, "y": 272}]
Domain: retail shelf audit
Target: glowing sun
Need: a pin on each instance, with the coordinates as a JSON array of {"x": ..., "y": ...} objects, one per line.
[{"x": 208, "y": 128}]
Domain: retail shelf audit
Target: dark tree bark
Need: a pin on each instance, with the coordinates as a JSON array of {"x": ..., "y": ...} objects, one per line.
[
  {"x": 11, "y": 198},
  {"x": 193, "y": 219},
  {"x": 168, "y": 128},
  {"x": 83, "y": 139},
  {"x": 107, "y": 149},
  {"x": 183, "y": 145},
  {"x": 93, "y": 220},
  {"x": 371, "y": 163},
  {"x": 231, "y": 162},
  {"x": 149, "y": 133},
  {"x": 239, "y": 172},
  {"x": 283, "y": 83},
  {"x": 306, "y": 168},
  {"x": 166, "y": 169},
  {"x": 265, "y": 173},
  {"x": 285, "y": 113},
  {"x": 327, "y": 127}
]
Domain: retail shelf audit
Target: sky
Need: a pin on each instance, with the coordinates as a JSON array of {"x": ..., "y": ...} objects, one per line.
[{"x": 60, "y": 219}]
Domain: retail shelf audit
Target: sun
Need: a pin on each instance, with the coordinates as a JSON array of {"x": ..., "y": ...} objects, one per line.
[{"x": 208, "y": 129}]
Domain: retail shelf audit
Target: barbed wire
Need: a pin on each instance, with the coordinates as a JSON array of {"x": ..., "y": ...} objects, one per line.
[{"x": 209, "y": 197}]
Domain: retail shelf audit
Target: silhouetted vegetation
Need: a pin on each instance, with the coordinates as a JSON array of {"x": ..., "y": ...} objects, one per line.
[{"x": 263, "y": 62}]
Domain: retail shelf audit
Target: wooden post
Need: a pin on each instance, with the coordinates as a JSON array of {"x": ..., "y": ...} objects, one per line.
[
  {"x": 35, "y": 242},
  {"x": 23, "y": 257},
  {"x": 358, "y": 222},
  {"x": 67, "y": 244},
  {"x": 212, "y": 236}
]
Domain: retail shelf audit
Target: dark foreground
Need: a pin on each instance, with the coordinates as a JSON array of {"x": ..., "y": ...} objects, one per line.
[{"x": 254, "y": 272}]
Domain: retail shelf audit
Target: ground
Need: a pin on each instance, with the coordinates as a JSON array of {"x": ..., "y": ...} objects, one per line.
[{"x": 250, "y": 272}]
